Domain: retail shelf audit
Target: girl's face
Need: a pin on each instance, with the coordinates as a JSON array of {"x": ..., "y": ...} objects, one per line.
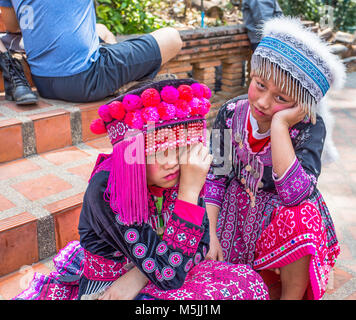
[
  {"x": 162, "y": 169},
  {"x": 265, "y": 100}
]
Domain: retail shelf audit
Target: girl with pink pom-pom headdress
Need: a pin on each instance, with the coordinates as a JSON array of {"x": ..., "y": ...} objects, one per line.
[
  {"x": 144, "y": 231},
  {"x": 264, "y": 206}
]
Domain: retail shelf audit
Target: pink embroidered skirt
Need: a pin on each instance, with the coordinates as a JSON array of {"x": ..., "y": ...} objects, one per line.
[
  {"x": 209, "y": 280},
  {"x": 271, "y": 235}
]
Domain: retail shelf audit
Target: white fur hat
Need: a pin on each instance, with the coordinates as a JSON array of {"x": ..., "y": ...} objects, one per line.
[{"x": 301, "y": 63}]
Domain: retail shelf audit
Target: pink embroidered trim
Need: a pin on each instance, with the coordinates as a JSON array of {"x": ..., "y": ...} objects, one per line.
[
  {"x": 178, "y": 235},
  {"x": 99, "y": 268},
  {"x": 189, "y": 212},
  {"x": 295, "y": 185},
  {"x": 56, "y": 291}
]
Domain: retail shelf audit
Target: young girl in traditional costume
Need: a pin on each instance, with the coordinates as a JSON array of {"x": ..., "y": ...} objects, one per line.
[
  {"x": 143, "y": 228},
  {"x": 266, "y": 211}
]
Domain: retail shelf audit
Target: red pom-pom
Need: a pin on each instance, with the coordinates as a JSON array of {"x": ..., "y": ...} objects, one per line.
[
  {"x": 166, "y": 111},
  {"x": 199, "y": 106},
  {"x": 182, "y": 109},
  {"x": 150, "y": 97},
  {"x": 117, "y": 110},
  {"x": 194, "y": 106},
  {"x": 150, "y": 114},
  {"x": 198, "y": 90},
  {"x": 132, "y": 102},
  {"x": 207, "y": 91},
  {"x": 204, "y": 106},
  {"x": 134, "y": 120},
  {"x": 97, "y": 126},
  {"x": 104, "y": 113},
  {"x": 169, "y": 94},
  {"x": 185, "y": 92}
]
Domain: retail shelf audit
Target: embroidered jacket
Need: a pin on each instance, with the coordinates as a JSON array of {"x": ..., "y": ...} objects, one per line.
[
  {"x": 165, "y": 261},
  {"x": 297, "y": 183}
]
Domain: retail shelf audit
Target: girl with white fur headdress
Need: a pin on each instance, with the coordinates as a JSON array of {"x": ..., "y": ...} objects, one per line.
[{"x": 267, "y": 211}]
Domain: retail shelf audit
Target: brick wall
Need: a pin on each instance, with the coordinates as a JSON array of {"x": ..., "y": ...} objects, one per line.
[{"x": 204, "y": 50}]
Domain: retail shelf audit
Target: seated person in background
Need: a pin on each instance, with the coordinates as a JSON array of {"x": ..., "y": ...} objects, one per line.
[
  {"x": 66, "y": 59},
  {"x": 254, "y": 13}
]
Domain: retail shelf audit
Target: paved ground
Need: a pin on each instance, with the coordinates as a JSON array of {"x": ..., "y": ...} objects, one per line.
[{"x": 337, "y": 183}]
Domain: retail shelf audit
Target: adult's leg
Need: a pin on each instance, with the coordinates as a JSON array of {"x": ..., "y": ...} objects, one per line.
[
  {"x": 16, "y": 85},
  {"x": 169, "y": 42}
]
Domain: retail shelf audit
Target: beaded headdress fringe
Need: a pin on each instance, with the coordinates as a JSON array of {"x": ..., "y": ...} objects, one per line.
[{"x": 266, "y": 69}]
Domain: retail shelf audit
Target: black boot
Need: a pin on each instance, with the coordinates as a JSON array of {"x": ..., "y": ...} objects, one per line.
[{"x": 16, "y": 85}]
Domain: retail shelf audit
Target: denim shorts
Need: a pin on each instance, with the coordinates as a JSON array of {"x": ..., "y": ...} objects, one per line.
[{"x": 118, "y": 64}]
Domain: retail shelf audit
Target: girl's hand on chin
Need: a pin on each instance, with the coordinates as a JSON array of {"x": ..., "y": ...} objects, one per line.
[{"x": 289, "y": 116}]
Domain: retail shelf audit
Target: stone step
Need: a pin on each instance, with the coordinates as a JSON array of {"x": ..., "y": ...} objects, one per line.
[
  {"x": 40, "y": 201},
  {"x": 46, "y": 126}
]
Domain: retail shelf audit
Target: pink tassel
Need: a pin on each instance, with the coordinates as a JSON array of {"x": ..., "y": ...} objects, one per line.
[{"x": 127, "y": 185}]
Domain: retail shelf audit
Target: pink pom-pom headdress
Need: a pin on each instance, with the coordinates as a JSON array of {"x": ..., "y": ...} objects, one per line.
[{"x": 156, "y": 117}]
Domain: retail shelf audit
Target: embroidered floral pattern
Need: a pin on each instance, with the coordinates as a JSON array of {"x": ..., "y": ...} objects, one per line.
[
  {"x": 215, "y": 190},
  {"x": 59, "y": 292},
  {"x": 175, "y": 259},
  {"x": 131, "y": 236},
  {"x": 149, "y": 265},
  {"x": 294, "y": 186},
  {"x": 161, "y": 248},
  {"x": 158, "y": 275},
  {"x": 179, "y": 236},
  {"x": 231, "y": 106},
  {"x": 293, "y": 133},
  {"x": 168, "y": 273},
  {"x": 209, "y": 281},
  {"x": 197, "y": 258},
  {"x": 139, "y": 250},
  {"x": 188, "y": 265},
  {"x": 293, "y": 233},
  {"x": 99, "y": 268},
  {"x": 117, "y": 130}
]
